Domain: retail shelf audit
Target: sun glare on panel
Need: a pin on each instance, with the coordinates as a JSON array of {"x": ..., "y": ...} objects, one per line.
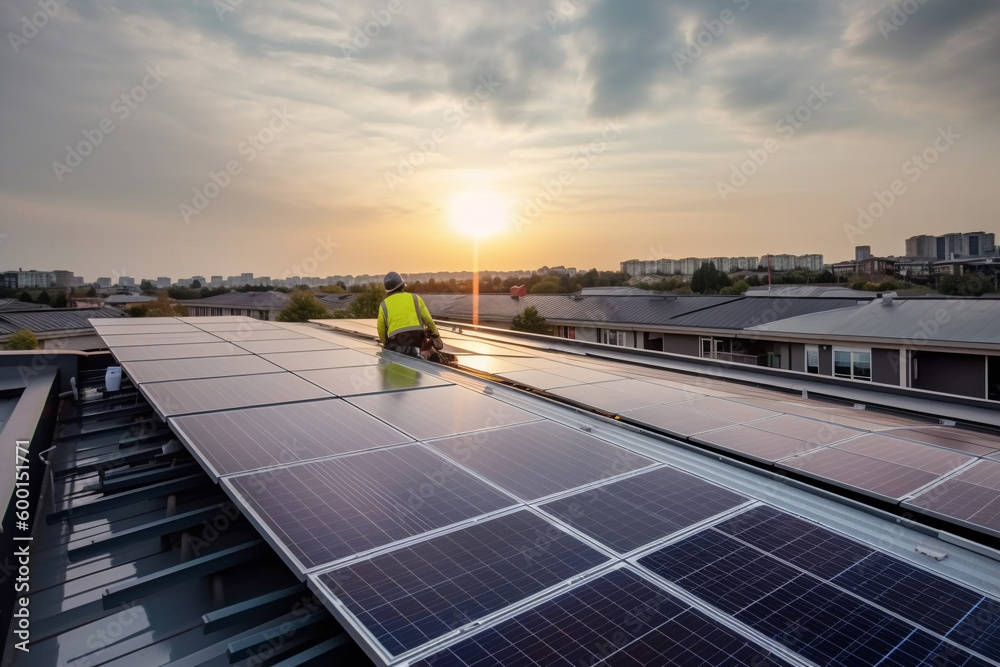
[{"x": 479, "y": 214}]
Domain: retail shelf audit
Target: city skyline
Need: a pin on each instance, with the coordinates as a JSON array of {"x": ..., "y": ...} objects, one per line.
[{"x": 229, "y": 137}]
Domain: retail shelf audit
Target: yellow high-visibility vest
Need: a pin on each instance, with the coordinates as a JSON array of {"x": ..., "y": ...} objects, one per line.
[{"x": 401, "y": 312}]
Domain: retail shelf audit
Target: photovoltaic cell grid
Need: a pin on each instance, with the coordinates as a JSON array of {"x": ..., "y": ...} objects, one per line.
[
  {"x": 317, "y": 359},
  {"x": 188, "y": 396},
  {"x": 186, "y": 369},
  {"x": 879, "y": 465},
  {"x": 616, "y": 619},
  {"x": 632, "y": 512},
  {"x": 417, "y": 593},
  {"x": 798, "y": 600},
  {"x": 540, "y": 458},
  {"x": 971, "y": 497},
  {"x": 329, "y": 509},
  {"x": 181, "y": 351},
  {"x": 370, "y": 379},
  {"x": 441, "y": 411},
  {"x": 237, "y": 441},
  {"x": 195, "y": 336}
]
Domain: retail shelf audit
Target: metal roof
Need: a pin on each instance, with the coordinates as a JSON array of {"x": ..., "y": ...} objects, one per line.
[
  {"x": 55, "y": 319},
  {"x": 14, "y": 304},
  {"x": 826, "y": 291},
  {"x": 651, "y": 309},
  {"x": 270, "y": 299},
  {"x": 743, "y": 313},
  {"x": 337, "y": 301},
  {"x": 913, "y": 321}
]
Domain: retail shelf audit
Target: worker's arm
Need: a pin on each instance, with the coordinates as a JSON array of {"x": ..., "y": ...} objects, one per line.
[
  {"x": 382, "y": 324},
  {"x": 425, "y": 316}
]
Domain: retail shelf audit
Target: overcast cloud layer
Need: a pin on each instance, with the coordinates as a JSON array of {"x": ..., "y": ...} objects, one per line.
[{"x": 253, "y": 133}]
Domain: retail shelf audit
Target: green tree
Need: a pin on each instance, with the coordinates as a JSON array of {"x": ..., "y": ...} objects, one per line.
[
  {"x": 365, "y": 305},
  {"x": 304, "y": 306},
  {"x": 44, "y": 298},
  {"x": 147, "y": 288},
  {"x": 709, "y": 280},
  {"x": 529, "y": 320},
  {"x": 60, "y": 300},
  {"x": 22, "y": 340},
  {"x": 547, "y": 285},
  {"x": 164, "y": 307},
  {"x": 969, "y": 284},
  {"x": 25, "y": 297},
  {"x": 92, "y": 292},
  {"x": 195, "y": 284},
  {"x": 739, "y": 287}
]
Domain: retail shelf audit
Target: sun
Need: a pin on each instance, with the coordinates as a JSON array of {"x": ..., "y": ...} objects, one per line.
[{"x": 479, "y": 213}]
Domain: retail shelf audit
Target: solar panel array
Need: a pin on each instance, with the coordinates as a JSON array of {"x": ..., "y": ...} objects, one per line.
[
  {"x": 829, "y": 598},
  {"x": 446, "y": 526},
  {"x": 889, "y": 457}
]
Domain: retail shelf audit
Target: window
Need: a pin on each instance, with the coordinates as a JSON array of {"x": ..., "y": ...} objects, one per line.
[
  {"x": 852, "y": 364},
  {"x": 610, "y": 337},
  {"x": 812, "y": 359},
  {"x": 993, "y": 378},
  {"x": 717, "y": 348}
]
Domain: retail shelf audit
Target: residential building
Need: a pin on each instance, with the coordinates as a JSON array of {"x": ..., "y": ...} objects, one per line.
[
  {"x": 126, "y": 281},
  {"x": 951, "y": 246},
  {"x": 163, "y": 282},
  {"x": 862, "y": 252},
  {"x": 32, "y": 279},
  {"x": 104, "y": 282},
  {"x": 258, "y": 305}
]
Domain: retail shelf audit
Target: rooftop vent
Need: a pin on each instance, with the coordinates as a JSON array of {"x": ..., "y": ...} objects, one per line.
[{"x": 887, "y": 298}]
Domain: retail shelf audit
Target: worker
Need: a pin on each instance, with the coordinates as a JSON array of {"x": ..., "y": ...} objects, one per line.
[{"x": 404, "y": 323}]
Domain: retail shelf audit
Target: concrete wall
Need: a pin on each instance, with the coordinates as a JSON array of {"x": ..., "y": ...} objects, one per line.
[
  {"x": 885, "y": 366},
  {"x": 826, "y": 360},
  {"x": 961, "y": 374}
]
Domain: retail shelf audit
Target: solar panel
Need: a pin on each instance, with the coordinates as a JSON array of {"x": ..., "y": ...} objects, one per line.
[
  {"x": 881, "y": 479},
  {"x": 878, "y": 465},
  {"x": 325, "y": 510},
  {"x": 802, "y": 543},
  {"x": 539, "y": 379},
  {"x": 925, "y": 598},
  {"x": 183, "y": 351},
  {"x": 176, "y": 327},
  {"x": 134, "y": 321},
  {"x": 540, "y": 458},
  {"x": 187, "y": 396},
  {"x": 598, "y": 396},
  {"x": 414, "y": 594},
  {"x": 252, "y": 325},
  {"x": 922, "y": 457},
  {"x": 307, "y": 361},
  {"x": 649, "y": 391},
  {"x": 759, "y": 445},
  {"x": 287, "y": 345},
  {"x": 240, "y": 440},
  {"x": 972, "y": 498},
  {"x": 676, "y": 421},
  {"x": 970, "y": 442},
  {"x": 616, "y": 619},
  {"x": 492, "y": 365},
  {"x": 629, "y": 513},
  {"x": 206, "y": 367},
  {"x": 196, "y": 336},
  {"x": 584, "y": 375},
  {"x": 810, "y": 617},
  {"x": 440, "y": 411},
  {"x": 249, "y": 335},
  {"x": 371, "y": 379},
  {"x": 731, "y": 410},
  {"x": 809, "y": 430}
]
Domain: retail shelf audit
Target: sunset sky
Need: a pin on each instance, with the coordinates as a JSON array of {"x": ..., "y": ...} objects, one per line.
[{"x": 612, "y": 129}]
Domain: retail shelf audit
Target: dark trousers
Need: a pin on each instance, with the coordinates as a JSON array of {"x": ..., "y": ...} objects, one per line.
[{"x": 408, "y": 342}]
